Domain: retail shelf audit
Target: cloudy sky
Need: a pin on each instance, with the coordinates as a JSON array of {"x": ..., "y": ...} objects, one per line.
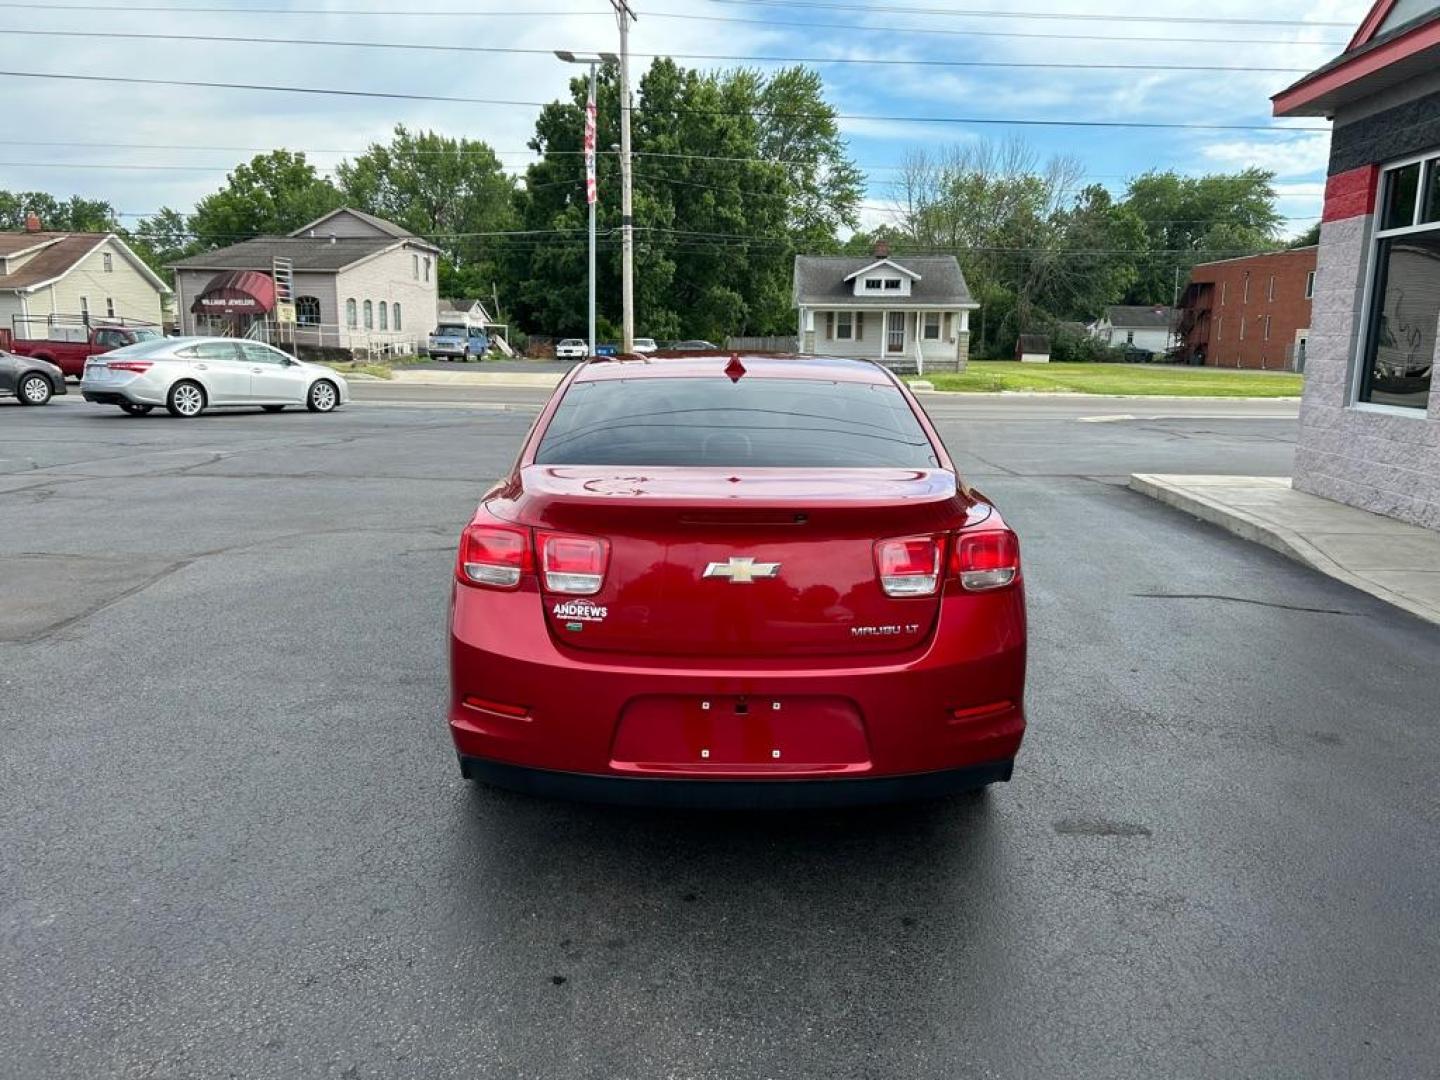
[{"x": 198, "y": 134}]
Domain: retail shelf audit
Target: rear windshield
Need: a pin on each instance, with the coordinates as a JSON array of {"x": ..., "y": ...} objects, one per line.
[{"x": 713, "y": 423}]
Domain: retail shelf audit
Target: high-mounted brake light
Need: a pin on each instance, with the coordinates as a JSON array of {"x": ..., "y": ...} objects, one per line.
[
  {"x": 494, "y": 555},
  {"x": 989, "y": 559},
  {"x": 574, "y": 565},
  {"x": 909, "y": 566},
  {"x": 137, "y": 366}
]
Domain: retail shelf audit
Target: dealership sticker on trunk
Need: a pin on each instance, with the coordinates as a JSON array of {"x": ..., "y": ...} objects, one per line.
[{"x": 578, "y": 611}]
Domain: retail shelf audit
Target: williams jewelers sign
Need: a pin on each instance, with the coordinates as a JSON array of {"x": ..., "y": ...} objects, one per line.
[
  {"x": 234, "y": 305},
  {"x": 239, "y": 292}
]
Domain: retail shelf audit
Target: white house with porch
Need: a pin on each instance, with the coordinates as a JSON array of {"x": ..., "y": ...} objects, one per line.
[{"x": 911, "y": 313}]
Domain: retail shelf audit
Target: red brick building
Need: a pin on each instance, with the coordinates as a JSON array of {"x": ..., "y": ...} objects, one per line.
[{"x": 1252, "y": 312}]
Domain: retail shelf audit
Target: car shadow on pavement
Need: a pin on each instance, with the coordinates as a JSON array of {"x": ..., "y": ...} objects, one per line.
[{"x": 768, "y": 921}]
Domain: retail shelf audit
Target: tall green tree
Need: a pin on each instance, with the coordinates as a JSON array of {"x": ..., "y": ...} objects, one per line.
[
  {"x": 441, "y": 188},
  {"x": 1194, "y": 219},
  {"x": 271, "y": 194},
  {"x": 735, "y": 172},
  {"x": 75, "y": 214},
  {"x": 162, "y": 239},
  {"x": 1037, "y": 248}
]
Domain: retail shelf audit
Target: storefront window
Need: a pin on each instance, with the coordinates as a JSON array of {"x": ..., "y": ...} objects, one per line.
[
  {"x": 1404, "y": 317},
  {"x": 307, "y": 310}
]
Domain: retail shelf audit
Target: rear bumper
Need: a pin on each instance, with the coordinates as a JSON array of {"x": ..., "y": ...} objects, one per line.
[
  {"x": 956, "y": 703},
  {"x": 733, "y": 794},
  {"x": 136, "y": 392}
]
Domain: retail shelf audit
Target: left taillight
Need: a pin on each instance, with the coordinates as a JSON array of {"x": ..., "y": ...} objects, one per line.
[
  {"x": 139, "y": 367},
  {"x": 988, "y": 559},
  {"x": 573, "y": 565},
  {"x": 909, "y": 565},
  {"x": 496, "y": 556}
]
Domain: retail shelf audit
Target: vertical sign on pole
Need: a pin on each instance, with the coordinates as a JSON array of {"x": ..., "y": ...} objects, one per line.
[{"x": 591, "y": 194}]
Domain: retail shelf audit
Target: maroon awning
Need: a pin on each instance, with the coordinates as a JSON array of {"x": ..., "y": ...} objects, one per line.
[{"x": 236, "y": 292}]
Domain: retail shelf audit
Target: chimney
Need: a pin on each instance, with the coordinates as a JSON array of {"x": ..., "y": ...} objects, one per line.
[
  {"x": 32, "y": 222},
  {"x": 882, "y": 249}
]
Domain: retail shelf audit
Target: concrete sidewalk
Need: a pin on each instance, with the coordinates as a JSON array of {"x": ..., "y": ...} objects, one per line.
[{"x": 1389, "y": 559}]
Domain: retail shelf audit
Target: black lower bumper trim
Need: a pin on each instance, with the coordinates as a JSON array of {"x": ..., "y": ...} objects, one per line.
[
  {"x": 733, "y": 794},
  {"x": 104, "y": 397}
]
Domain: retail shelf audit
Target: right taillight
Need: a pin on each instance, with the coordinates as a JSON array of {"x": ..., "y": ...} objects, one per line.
[
  {"x": 493, "y": 555},
  {"x": 139, "y": 367},
  {"x": 989, "y": 559}
]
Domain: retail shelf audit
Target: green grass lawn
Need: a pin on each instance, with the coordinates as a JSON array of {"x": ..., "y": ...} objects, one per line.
[
  {"x": 345, "y": 367},
  {"x": 993, "y": 376}
]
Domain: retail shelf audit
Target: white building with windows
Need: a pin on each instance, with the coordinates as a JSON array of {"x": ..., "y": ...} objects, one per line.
[
  {"x": 1150, "y": 328},
  {"x": 911, "y": 313},
  {"x": 52, "y": 283},
  {"x": 360, "y": 283}
]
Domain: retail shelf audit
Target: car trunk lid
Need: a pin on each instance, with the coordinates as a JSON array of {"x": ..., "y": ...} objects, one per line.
[{"x": 740, "y": 562}]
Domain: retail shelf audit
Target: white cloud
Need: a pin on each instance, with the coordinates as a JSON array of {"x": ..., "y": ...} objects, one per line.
[{"x": 1295, "y": 156}]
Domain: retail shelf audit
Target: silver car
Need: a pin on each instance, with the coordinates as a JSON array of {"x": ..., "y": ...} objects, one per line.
[
  {"x": 33, "y": 381},
  {"x": 190, "y": 375}
]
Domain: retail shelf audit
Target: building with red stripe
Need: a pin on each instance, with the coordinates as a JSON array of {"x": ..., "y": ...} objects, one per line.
[{"x": 1369, "y": 424}]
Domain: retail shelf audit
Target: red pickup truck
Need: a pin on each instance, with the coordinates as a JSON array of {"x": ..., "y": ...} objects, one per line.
[{"x": 70, "y": 356}]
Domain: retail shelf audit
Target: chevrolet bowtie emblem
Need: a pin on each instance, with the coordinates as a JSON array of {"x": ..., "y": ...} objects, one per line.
[{"x": 741, "y": 571}]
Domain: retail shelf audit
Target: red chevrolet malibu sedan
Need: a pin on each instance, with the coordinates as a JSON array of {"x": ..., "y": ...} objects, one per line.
[{"x": 749, "y": 581}]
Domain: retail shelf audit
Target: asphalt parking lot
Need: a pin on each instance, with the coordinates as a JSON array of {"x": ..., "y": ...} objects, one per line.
[{"x": 236, "y": 843}]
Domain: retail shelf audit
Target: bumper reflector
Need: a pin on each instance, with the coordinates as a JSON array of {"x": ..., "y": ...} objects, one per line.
[{"x": 514, "y": 712}]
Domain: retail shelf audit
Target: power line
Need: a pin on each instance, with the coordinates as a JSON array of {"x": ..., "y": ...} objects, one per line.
[
  {"x": 928, "y": 31},
  {"x": 864, "y": 9},
  {"x": 874, "y": 61},
  {"x": 894, "y": 9},
  {"x": 455, "y": 99},
  {"x": 359, "y": 151}
]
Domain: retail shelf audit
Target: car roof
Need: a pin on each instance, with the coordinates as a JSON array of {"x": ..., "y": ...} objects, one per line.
[{"x": 827, "y": 368}]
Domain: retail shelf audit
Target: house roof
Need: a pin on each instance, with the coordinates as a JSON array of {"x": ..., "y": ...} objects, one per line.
[
  {"x": 60, "y": 253},
  {"x": 306, "y": 254},
  {"x": 13, "y": 243},
  {"x": 825, "y": 279},
  {"x": 883, "y": 262},
  {"x": 1396, "y": 41},
  {"x": 389, "y": 228},
  {"x": 1137, "y": 317}
]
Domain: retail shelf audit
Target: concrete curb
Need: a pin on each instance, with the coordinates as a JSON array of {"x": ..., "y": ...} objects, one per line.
[
  {"x": 533, "y": 380},
  {"x": 1278, "y": 538}
]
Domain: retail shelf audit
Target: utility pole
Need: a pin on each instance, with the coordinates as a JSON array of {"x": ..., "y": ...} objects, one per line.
[{"x": 624, "y": 16}]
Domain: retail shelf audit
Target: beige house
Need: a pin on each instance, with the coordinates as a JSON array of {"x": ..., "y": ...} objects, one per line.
[
  {"x": 359, "y": 283},
  {"x": 52, "y": 283},
  {"x": 911, "y": 313}
]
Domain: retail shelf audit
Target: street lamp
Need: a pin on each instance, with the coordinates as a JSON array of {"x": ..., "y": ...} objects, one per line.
[{"x": 591, "y": 180}]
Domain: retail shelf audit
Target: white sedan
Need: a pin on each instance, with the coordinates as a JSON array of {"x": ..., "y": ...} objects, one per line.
[
  {"x": 190, "y": 375},
  {"x": 571, "y": 348}
]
